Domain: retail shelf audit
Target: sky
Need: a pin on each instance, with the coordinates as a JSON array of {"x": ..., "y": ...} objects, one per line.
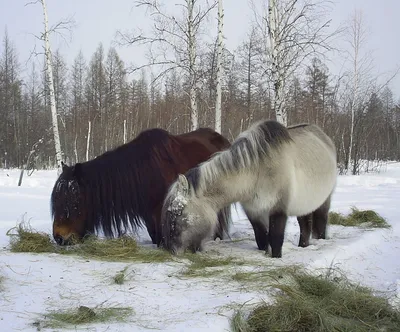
[{"x": 98, "y": 20}]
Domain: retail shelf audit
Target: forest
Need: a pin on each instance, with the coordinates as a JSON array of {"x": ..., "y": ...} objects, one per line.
[{"x": 102, "y": 102}]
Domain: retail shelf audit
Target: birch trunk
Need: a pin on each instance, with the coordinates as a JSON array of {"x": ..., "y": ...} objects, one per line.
[
  {"x": 194, "y": 115},
  {"x": 277, "y": 77},
  {"x": 218, "y": 104},
  {"x": 76, "y": 149},
  {"x": 49, "y": 74},
  {"x": 88, "y": 140},
  {"x": 124, "y": 131},
  {"x": 356, "y": 44}
]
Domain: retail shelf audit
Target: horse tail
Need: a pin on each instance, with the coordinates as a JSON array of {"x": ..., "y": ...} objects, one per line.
[{"x": 224, "y": 221}]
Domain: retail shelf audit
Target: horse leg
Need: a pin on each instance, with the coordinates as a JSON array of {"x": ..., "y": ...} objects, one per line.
[
  {"x": 260, "y": 229},
  {"x": 320, "y": 220},
  {"x": 277, "y": 224},
  {"x": 152, "y": 231},
  {"x": 156, "y": 235},
  {"x": 305, "y": 229}
]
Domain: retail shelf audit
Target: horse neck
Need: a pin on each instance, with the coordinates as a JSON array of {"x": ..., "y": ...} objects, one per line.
[{"x": 226, "y": 189}]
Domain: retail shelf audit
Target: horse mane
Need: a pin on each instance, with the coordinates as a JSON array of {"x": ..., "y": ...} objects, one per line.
[
  {"x": 251, "y": 146},
  {"x": 109, "y": 182}
]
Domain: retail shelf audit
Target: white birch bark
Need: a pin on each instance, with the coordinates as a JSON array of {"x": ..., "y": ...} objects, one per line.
[
  {"x": 88, "y": 140},
  {"x": 356, "y": 41},
  {"x": 194, "y": 115},
  {"x": 76, "y": 149},
  {"x": 124, "y": 131},
  {"x": 277, "y": 76},
  {"x": 218, "y": 104},
  {"x": 49, "y": 74}
]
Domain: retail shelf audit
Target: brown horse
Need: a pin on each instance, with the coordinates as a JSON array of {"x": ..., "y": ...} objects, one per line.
[{"x": 123, "y": 189}]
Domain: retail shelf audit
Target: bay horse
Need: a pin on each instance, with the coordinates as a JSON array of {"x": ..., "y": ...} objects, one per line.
[
  {"x": 124, "y": 188},
  {"x": 273, "y": 171}
]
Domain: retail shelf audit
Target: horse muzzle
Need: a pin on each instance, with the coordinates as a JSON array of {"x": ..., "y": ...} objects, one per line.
[{"x": 61, "y": 241}]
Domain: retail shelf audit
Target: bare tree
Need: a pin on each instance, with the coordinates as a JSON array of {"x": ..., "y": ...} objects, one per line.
[
  {"x": 292, "y": 31},
  {"x": 45, "y": 37},
  {"x": 174, "y": 44},
  {"x": 220, "y": 49}
]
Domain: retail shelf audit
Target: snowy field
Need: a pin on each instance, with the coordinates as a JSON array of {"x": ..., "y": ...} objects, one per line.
[{"x": 163, "y": 300}]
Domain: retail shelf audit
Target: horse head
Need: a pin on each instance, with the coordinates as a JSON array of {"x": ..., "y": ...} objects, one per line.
[
  {"x": 68, "y": 206},
  {"x": 182, "y": 218}
]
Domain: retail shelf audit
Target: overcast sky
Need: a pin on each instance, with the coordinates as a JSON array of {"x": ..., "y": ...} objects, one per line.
[{"x": 98, "y": 20}]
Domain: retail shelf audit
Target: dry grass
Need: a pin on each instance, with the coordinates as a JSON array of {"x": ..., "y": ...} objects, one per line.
[
  {"x": 203, "y": 265},
  {"x": 120, "y": 277},
  {"x": 83, "y": 315},
  {"x": 24, "y": 239},
  {"x": 319, "y": 303},
  {"x": 364, "y": 218},
  {"x": 124, "y": 249}
]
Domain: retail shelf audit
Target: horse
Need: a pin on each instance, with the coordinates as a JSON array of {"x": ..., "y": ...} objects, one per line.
[
  {"x": 273, "y": 171},
  {"x": 124, "y": 188}
]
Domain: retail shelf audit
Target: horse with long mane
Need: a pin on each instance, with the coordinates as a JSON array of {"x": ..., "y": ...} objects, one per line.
[
  {"x": 273, "y": 171},
  {"x": 123, "y": 189}
]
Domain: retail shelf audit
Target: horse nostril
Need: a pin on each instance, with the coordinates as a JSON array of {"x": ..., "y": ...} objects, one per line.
[{"x": 59, "y": 240}]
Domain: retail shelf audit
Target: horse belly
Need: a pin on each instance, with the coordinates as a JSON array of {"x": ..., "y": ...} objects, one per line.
[{"x": 309, "y": 192}]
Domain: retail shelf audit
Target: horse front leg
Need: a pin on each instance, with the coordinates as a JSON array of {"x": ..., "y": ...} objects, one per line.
[
  {"x": 277, "y": 225},
  {"x": 260, "y": 230}
]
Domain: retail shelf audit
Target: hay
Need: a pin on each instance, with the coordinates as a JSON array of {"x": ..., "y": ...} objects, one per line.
[
  {"x": 120, "y": 277},
  {"x": 123, "y": 249},
  {"x": 312, "y": 303},
  {"x": 24, "y": 239},
  {"x": 364, "y": 218},
  {"x": 83, "y": 315},
  {"x": 202, "y": 265}
]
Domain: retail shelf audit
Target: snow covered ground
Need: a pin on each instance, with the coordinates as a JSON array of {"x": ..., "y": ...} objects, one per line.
[{"x": 162, "y": 300}]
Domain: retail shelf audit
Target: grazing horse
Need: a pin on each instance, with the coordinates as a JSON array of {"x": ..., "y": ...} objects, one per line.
[
  {"x": 124, "y": 188},
  {"x": 273, "y": 171}
]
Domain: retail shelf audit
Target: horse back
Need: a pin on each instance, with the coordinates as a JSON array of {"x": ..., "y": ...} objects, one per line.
[{"x": 198, "y": 146}]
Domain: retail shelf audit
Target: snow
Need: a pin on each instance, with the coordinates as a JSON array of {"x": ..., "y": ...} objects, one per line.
[{"x": 161, "y": 299}]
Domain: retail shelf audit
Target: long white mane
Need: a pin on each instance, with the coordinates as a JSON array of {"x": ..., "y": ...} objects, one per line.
[{"x": 260, "y": 141}]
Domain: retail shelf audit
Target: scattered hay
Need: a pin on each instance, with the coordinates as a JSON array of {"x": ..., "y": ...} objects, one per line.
[
  {"x": 365, "y": 218},
  {"x": 123, "y": 249},
  {"x": 203, "y": 265},
  {"x": 336, "y": 218},
  {"x": 83, "y": 315},
  {"x": 312, "y": 303},
  {"x": 24, "y": 239},
  {"x": 239, "y": 322},
  {"x": 120, "y": 277}
]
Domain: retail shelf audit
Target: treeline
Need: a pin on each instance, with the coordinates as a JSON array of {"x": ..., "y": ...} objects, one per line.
[{"x": 101, "y": 106}]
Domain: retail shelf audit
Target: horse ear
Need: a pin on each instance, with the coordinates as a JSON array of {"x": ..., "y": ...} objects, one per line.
[
  {"x": 183, "y": 184},
  {"x": 64, "y": 166}
]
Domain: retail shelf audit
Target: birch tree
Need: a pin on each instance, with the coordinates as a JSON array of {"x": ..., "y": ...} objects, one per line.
[
  {"x": 45, "y": 37},
  {"x": 220, "y": 49},
  {"x": 174, "y": 44},
  {"x": 360, "y": 83},
  {"x": 292, "y": 30}
]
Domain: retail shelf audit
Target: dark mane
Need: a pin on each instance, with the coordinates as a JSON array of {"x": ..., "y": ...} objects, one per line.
[{"x": 121, "y": 176}]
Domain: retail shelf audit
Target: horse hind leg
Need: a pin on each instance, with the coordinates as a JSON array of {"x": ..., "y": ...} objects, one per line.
[
  {"x": 305, "y": 223},
  {"x": 277, "y": 225},
  {"x": 320, "y": 220}
]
